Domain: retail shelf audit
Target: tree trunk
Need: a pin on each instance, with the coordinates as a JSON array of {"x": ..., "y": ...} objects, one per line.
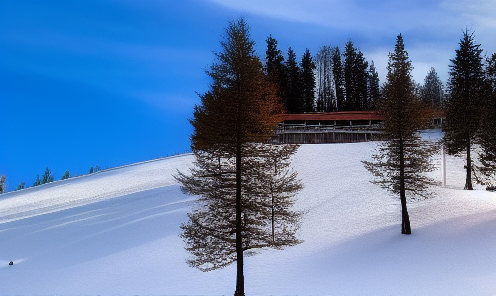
[
  {"x": 468, "y": 182},
  {"x": 240, "y": 283},
  {"x": 405, "y": 218}
]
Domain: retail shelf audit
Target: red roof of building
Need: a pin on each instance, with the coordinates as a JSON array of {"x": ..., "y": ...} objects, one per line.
[{"x": 348, "y": 115}]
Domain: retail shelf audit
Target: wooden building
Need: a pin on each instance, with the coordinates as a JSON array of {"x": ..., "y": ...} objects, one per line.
[
  {"x": 349, "y": 118},
  {"x": 334, "y": 127}
]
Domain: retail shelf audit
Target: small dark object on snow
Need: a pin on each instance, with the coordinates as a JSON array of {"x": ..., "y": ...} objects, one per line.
[
  {"x": 491, "y": 188},
  {"x": 11, "y": 263}
]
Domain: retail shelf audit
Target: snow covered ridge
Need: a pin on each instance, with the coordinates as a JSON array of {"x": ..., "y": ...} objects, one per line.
[
  {"x": 82, "y": 190},
  {"x": 116, "y": 233}
]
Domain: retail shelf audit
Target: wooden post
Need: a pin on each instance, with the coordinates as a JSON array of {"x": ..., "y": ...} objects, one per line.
[{"x": 443, "y": 152}]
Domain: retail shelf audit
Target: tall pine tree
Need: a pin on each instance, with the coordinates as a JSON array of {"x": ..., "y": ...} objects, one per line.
[
  {"x": 232, "y": 174},
  {"x": 487, "y": 136},
  {"x": 349, "y": 76},
  {"x": 374, "y": 91},
  {"x": 275, "y": 67},
  {"x": 337, "y": 71},
  {"x": 294, "y": 96},
  {"x": 362, "y": 82},
  {"x": 308, "y": 81},
  {"x": 464, "y": 107},
  {"x": 355, "y": 78},
  {"x": 401, "y": 160}
]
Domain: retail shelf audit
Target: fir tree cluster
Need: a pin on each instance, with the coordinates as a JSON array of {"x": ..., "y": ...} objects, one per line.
[
  {"x": 295, "y": 81},
  {"x": 328, "y": 82},
  {"x": 336, "y": 81},
  {"x": 46, "y": 178}
]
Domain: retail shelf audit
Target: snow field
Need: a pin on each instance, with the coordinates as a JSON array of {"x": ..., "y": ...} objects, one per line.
[{"x": 116, "y": 233}]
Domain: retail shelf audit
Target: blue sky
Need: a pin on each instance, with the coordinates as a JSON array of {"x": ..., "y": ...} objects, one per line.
[{"x": 108, "y": 83}]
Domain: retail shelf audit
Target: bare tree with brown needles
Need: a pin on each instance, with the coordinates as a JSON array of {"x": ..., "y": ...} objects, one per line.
[{"x": 232, "y": 171}]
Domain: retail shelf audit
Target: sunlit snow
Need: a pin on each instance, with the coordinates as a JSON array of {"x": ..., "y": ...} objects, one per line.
[{"x": 116, "y": 233}]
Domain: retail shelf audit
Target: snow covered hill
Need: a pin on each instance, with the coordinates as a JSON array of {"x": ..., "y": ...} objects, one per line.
[{"x": 116, "y": 233}]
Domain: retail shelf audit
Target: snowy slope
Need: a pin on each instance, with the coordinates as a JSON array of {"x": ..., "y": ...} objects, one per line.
[{"x": 116, "y": 232}]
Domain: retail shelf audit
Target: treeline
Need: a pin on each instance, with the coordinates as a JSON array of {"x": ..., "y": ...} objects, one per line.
[
  {"x": 334, "y": 80},
  {"x": 47, "y": 177},
  {"x": 328, "y": 82}
]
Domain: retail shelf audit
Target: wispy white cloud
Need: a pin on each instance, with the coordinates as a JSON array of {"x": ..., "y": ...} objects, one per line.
[
  {"x": 64, "y": 43},
  {"x": 431, "y": 28},
  {"x": 366, "y": 14},
  {"x": 121, "y": 67}
]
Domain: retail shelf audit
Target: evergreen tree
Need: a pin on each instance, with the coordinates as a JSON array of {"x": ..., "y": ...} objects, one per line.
[
  {"x": 47, "y": 176},
  {"x": 432, "y": 91},
  {"x": 355, "y": 78},
  {"x": 236, "y": 116},
  {"x": 38, "y": 181},
  {"x": 21, "y": 185},
  {"x": 3, "y": 185},
  {"x": 275, "y": 67},
  {"x": 464, "y": 108},
  {"x": 362, "y": 82},
  {"x": 374, "y": 92},
  {"x": 487, "y": 157},
  {"x": 294, "y": 96},
  {"x": 308, "y": 81},
  {"x": 337, "y": 71},
  {"x": 401, "y": 160},
  {"x": 349, "y": 78},
  {"x": 66, "y": 175}
]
